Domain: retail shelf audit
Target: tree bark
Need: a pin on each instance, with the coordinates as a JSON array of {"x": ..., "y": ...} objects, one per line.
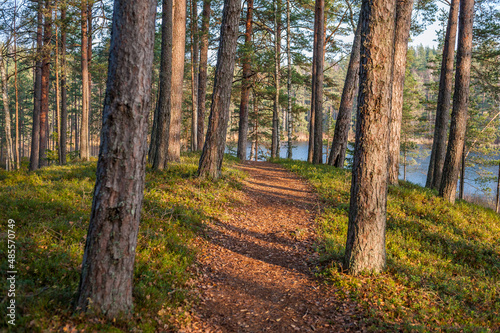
[
  {"x": 275, "y": 135},
  {"x": 44, "y": 104},
  {"x": 9, "y": 163},
  {"x": 289, "y": 83},
  {"x": 178, "y": 48},
  {"x": 438, "y": 151},
  {"x": 365, "y": 246},
  {"x": 403, "y": 22},
  {"x": 16, "y": 88},
  {"x": 458, "y": 125},
  {"x": 215, "y": 143},
  {"x": 84, "y": 130},
  {"x": 202, "y": 80},
  {"x": 194, "y": 75},
  {"x": 246, "y": 85},
  {"x": 318, "y": 90},
  {"x": 64, "y": 97},
  {"x": 160, "y": 148},
  {"x": 108, "y": 261},
  {"x": 310, "y": 149},
  {"x": 37, "y": 92},
  {"x": 343, "y": 123}
]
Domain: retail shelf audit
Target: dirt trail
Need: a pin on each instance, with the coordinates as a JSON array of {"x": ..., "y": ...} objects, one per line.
[{"x": 257, "y": 265}]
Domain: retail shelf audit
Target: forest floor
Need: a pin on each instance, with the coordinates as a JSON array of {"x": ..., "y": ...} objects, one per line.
[{"x": 258, "y": 264}]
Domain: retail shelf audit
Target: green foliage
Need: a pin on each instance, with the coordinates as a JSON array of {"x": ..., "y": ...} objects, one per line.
[
  {"x": 443, "y": 260},
  {"x": 51, "y": 208}
]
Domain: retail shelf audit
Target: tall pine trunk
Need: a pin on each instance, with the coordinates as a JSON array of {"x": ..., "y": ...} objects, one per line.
[
  {"x": 318, "y": 90},
  {"x": 343, "y": 123},
  {"x": 438, "y": 151},
  {"x": 403, "y": 22},
  {"x": 312, "y": 112},
  {"x": 215, "y": 143},
  {"x": 108, "y": 261},
  {"x": 275, "y": 135},
  {"x": 44, "y": 104},
  {"x": 9, "y": 163},
  {"x": 202, "y": 80},
  {"x": 458, "y": 125},
  {"x": 365, "y": 246},
  {"x": 194, "y": 75},
  {"x": 37, "y": 92},
  {"x": 246, "y": 85},
  {"x": 84, "y": 130},
  {"x": 288, "y": 83},
  {"x": 64, "y": 97},
  {"x": 178, "y": 48}
]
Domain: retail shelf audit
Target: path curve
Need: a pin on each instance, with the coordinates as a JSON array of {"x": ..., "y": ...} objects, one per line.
[{"x": 257, "y": 266}]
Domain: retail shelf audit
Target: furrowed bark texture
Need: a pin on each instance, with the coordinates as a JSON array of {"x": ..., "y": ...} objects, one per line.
[
  {"x": 202, "y": 81},
  {"x": 403, "y": 22},
  {"x": 35, "y": 132},
  {"x": 289, "y": 83},
  {"x": 458, "y": 125},
  {"x": 178, "y": 47},
  {"x": 343, "y": 123},
  {"x": 162, "y": 119},
  {"x": 318, "y": 90},
  {"x": 438, "y": 152},
  {"x": 215, "y": 142},
  {"x": 108, "y": 261},
  {"x": 194, "y": 75},
  {"x": 44, "y": 99},
  {"x": 246, "y": 85},
  {"x": 64, "y": 96},
  {"x": 365, "y": 246},
  {"x": 84, "y": 131},
  {"x": 275, "y": 135}
]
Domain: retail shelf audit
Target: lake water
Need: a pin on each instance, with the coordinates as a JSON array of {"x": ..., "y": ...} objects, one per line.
[{"x": 416, "y": 173}]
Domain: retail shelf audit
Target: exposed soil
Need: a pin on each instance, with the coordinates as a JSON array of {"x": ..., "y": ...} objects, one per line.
[{"x": 257, "y": 266}]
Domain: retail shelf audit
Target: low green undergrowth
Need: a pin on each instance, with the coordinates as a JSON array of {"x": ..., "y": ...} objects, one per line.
[
  {"x": 443, "y": 260},
  {"x": 51, "y": 208}
]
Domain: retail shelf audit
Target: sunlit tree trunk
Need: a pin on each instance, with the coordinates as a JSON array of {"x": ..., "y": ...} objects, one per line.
[
  {"x": 458, "y": 125},
  {"x": 246, "y": 85},
  {"x": 275, "y": 135},
  {"x": 318, "y": 90},
  {"x": 194, "y": 75},
  {"x": 403, "y": 22},
  {"x": 16, "y": 89},
  {"x": 84, "y": 130},
  {"x": 312, "y": 112},
  {"x": 44, "y": 104},
  {"x": 9, "y": 165},
  {"x": 438, "y": 151},
  {"x": 202, "y": 81},
  {"x": 108, "y": 260},
  {"x": 178, "y": 48},
  {"x": 64, "y": 98},
  {"x": 289, "y": 82},
  {"x": 365, "y": 246},
  {"x": 215, "y": 143},
  {"x": 37, "y": 91}
]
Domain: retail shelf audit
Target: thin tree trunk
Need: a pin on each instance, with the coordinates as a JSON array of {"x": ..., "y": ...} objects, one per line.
[
  {"x": 458, "y": 125},
  {"x": 403, "y": 22},
  {"x": 318, "y": 99},
  {"x": 312, "y": 114},
  {"x": 438, "y": 151},
  {"x": 44, "y": 104},
  {"x": 215, "y": 143},
  {"x": 365, "y": 246},
  {"x": 343, "y": 123},
  {"x": 57, "y": 118},
  {"x": 84, "y": 130},
  {"x": 462, "y": 175},
  {"x": 289, "y": 82},
  {"x": 9, "y": 163},
  {"x": 194, "y": 75},
  {"x": 160, "y": 149},
  {"x": 114, "y": 223},
  {"x": 64, "y": 98},
  {"x": 275, "y": 136},
  {"x": 16, "y": 145},
  {"x": 256, "y": 113},
  {"x": 246, "y": 85},
  {"x": 178, "y": 48},
  {"x": 202, "y": 80}
]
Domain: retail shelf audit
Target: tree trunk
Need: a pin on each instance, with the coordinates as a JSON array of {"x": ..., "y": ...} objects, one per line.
[
  {"x": 64, "y": 98},
  {"x": 318, "y": 90},
  {"x": 289, "y": 83},
  {"x": 458, "y": 125},
  {"x": 438, "y": 151},
  {"x": 202, "y": 80},
  {"x": 403, "y": 22},
  {"x": 310, "y": 149},
  {"x": 37, "y": 92},
  {"x": 462, "y": 175},
  {"x": 343, "y": 123},
  {"x": 57, "y": 118},
  {"x": 275, "y": 136},
  {"x": 108, "y": 261},
  {"x": 84, "y": 130},
  {"x": 9, "y": 163},
  {"x": 178, "y": 48},
  {"x": 16, "y": 145},
  {"x": 160, "y": 148},
  {"x": 497, "y": 201},
  {"x": 215, "y": 143},
  {"x": 44, "y": 104},
  {"x": 365, "y": 246},
  {"x": 246, "y": 85},
  {"x": 194, "y": 75}
]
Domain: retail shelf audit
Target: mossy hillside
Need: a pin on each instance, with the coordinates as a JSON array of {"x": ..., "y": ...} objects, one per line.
[{"x": 443, "y": 260}]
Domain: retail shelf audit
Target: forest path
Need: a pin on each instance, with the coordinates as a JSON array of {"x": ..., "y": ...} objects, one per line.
[{"x": 256, "y": 265}]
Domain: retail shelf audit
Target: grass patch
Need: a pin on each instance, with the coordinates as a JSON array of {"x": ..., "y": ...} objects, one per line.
[
  {"x": 51, "y": 208},
  {"x": 443, "y": 260}
]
